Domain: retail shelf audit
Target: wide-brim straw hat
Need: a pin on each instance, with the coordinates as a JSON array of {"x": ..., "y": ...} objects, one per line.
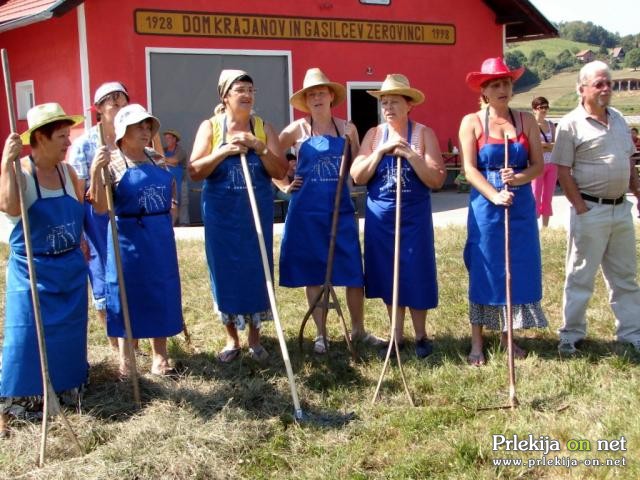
[
  {"x": 173, "y": 132},
  {"x": 398, "y": 84},
  {"x": 41, "y": 115},
  {"x": 492, "y": 69},
  {"x": 130, "y": 115},
  {"x": 316, "y": 78}
]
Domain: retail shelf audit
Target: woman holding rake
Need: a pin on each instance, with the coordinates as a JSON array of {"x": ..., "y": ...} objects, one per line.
[
  {"x": 231, "y": 241},
  {"x": 422, "y": 170},
  {"x": 144, "y": 202},
  {"x": 482, "y": 137},
  {"x": 55, "y": 212},
  {"x": 318, "y": 139}
]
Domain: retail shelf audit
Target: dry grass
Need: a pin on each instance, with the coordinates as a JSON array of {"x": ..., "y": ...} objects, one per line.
[{"x": 235, "y": 421}]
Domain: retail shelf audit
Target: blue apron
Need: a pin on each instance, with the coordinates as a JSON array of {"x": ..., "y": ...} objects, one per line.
[
  {"x": 418, "y": 281},
  {"x": 95, "y": 232},
  {"x": 484, "y": 250},
  {"x": 142, "y": 201},
  {"x": 307, "y": 229},
  {"x": 61, "y": 271},
  {"x": 178, "y": 174},
  {"x": 231, "y": 241}
]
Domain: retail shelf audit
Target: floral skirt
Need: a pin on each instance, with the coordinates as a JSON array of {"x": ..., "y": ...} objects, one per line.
[
  {"x": 241, "y": 320},
  {"x": 526, "y": 315}
]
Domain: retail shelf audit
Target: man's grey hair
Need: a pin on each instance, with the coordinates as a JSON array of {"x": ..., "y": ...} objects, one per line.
[{"x": 589, "y": 70}]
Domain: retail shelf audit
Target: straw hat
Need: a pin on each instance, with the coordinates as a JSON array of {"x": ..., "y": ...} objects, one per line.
[
  {"x": 41, "y": 115},
  {"x": 398, "y": 84},
  {"x": 130, "y": 115},
  {"x": 173, "y": 132},
  {"x": 492, "y": 69},
  {"x": 316, "y": 78}
]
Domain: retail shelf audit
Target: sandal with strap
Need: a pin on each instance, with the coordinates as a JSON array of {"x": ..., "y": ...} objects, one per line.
[
  {"x": 228, "y": 355},
  {"x": 320, "y": 345}
]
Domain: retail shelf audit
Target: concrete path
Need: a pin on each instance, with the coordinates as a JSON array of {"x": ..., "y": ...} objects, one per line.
[{"x": 449, "y": 208}]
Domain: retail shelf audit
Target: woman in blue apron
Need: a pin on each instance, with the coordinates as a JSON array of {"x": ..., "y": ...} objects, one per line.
[
  {"x": 318, "y": 140},
  {"x": 55, "y": 215},
  {"x": 231, "y": 242},
  {"x": 108, "y": 99},
  {"x": 144, "y": 196},
  {"x": 422, "y": 170},
  {"x": 483, "y": 152}
]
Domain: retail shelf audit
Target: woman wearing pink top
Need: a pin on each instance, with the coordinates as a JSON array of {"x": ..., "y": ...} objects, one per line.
[{"x": 545, "y": 184}]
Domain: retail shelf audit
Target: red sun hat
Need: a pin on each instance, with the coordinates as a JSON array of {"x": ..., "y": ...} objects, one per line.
[{"x": 491, "y": 69}]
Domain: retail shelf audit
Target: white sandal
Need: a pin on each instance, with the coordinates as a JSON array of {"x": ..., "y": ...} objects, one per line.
[{"x": 320, "y": 345}]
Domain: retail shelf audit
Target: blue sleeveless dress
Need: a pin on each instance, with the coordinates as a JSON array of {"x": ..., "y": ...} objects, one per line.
[
  {"x": 61, "y": 271},
  {"x": 418, "y": 281},
  {"x": 149, "y": 259},
  {"x": 307, "y": 229},
  {"x": 231, "y": 241},
  {"x": 484, "y": 254}
]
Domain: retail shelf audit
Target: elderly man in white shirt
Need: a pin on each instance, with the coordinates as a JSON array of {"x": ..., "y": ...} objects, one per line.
[{"x": 593, "y": 149}]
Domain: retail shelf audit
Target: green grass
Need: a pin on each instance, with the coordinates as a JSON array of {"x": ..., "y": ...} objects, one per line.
[
  {"x": 235, "y": 421},
  {"x": 552, "y": 47},
  {"x": 560, "y": 90}
]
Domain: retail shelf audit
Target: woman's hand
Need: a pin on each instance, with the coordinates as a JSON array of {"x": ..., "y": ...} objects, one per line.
[
  {"x": 230, "y": 149},
  {"x": 293, "y": 186},
  {"x": 507, "y": 175},
  {"x": 12, "y": 148},
  {"x": 395, "y": 148},
  {"x": 502, "y": 198},
  {"x": 100, "y": 160}
]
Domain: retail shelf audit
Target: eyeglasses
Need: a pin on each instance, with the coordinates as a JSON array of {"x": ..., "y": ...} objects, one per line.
[
  {"x": 115, "y": 99},
  {"x": 542, "y": 107},
  {"x": 243, "y": 91},
  {"x": 599, "y": 85}
]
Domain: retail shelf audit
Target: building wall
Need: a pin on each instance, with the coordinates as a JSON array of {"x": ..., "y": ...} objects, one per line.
[
  {"x": 48, "y": 52},
  {"x": 438, "y": 70}
]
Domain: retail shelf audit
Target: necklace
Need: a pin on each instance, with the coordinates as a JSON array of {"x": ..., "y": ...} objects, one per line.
[{"x": 499, "y": 123}]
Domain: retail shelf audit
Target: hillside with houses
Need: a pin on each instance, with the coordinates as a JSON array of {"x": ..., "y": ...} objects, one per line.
[{"x": 552, "y": 64}]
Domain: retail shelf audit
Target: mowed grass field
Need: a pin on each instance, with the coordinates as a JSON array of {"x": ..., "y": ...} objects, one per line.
[
  {"x": 235, "y": 421},
  {"x": 560, "y": 90},
  {"x": 552, "y": 47}
]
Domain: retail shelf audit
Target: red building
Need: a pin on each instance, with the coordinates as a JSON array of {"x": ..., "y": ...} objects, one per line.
[{"x": 170, "y": 53}]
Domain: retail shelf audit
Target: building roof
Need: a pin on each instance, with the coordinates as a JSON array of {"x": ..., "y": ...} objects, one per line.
[
  {"x": 523, "y": 21},
  {"x": 18, "y": 13},
  {"x": 582, "y": 53}
]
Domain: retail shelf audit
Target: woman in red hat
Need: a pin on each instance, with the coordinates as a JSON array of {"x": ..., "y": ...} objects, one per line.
[{"x": 482, "y": 138}]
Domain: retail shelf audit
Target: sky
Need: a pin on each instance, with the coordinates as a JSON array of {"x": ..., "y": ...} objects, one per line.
[{"x": 622, "y": 16}]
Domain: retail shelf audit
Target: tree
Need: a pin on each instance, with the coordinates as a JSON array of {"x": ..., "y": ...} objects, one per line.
[
  {"x": 565, "y": 59},
  {"x": 632, "y": 59},
  {"x": 536, "y": 56},
  {"x": 515, "y": 59}
]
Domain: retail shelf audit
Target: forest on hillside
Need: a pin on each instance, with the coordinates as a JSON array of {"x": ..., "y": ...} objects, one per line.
[{"x": 539, "y": 66}]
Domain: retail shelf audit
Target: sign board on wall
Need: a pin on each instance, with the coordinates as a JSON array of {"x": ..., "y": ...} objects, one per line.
[{"x": 203, "y": 24}]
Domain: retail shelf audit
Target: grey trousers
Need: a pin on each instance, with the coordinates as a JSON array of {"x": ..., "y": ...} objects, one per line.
[{"x": 602, "y": 237}]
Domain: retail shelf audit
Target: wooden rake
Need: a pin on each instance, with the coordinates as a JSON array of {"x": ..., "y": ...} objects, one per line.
[
  {"x": 106, "y": 180},
  {"x": 322, "y": 298},
  {"x": 51, "y": 405},
  {"x": 513, "y": 400},
  {"x": 396, "y": 284}
]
